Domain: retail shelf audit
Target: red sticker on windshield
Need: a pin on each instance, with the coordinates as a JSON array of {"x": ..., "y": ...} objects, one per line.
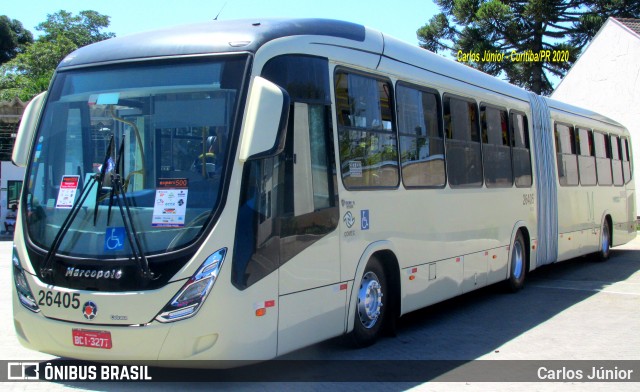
[{"x": 67, "y": 193}]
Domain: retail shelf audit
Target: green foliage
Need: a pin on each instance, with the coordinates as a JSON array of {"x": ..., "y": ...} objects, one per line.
[
  {"x": 82, "y": 29},
  {"x": 30, "y": 71},
  {"x": 506, "y": 26},
  {"x": 13, "y": 38}
]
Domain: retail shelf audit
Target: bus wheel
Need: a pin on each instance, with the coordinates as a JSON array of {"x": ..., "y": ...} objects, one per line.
[
  {"x": 518, "y": 267},
  {"x": 370, "y": 305},
  {"x": 605, "y": 242}
]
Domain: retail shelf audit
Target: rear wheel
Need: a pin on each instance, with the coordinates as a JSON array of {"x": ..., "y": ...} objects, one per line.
[
  {"x": 605, "y": 241},
  {"x": 518, "y": 266},
  {"x": 371, "y": 305}
]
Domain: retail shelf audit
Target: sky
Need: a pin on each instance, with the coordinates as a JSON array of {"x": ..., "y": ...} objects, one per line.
[{"x": 400, "y": 19}]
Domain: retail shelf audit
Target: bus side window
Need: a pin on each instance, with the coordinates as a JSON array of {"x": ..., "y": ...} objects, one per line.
[
  {"x": 626, "y": 162},
  {"x": 367, "y": 138},
  {"x": 255, "y": 254},
  {"x": 421, "y": 141},
  {"x": 464, "y": 158},
  {"x": 603, "y": 159},
  {"x": 307, "y": 196},
  {"x": 586, "y": 157},
  {"x": 616, "y": 162},
  {"x": 289, "y": 202},
  {"x": 521, "y": 151},
  {"x": 566, "y": 155},
  {"x": 496, "y": 150}
]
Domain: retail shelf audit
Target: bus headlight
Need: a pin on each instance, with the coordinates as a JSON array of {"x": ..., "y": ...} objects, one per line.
[
  {"x": 192, "y": 295},
  {"x": 22, "y": 287}
]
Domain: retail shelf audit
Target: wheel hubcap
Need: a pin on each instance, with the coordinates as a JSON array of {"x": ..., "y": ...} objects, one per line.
[
  {"x": 518, "y": 262},
  {"x": 369, "y": 300}
]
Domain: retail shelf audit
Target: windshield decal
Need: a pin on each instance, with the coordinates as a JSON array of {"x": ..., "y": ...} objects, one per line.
[
  {"x": 104, "y": 99},
  {"x": 114, "y": 239},
  {"x": 67, "y": 193},
  {"x": 170, "y": 205}
]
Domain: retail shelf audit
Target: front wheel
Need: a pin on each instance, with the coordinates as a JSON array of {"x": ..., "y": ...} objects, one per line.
[
  {"x": 371, "y": 305},
  {"x": 518, "y": 266}
]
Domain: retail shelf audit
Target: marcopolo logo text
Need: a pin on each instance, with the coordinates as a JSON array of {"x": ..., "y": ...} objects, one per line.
[{"x": 73, "y": 272}]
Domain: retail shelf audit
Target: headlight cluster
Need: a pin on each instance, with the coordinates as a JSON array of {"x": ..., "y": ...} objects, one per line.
[
  {"x": 192, "y": 295},
  {"x": 22, "y": 287}
]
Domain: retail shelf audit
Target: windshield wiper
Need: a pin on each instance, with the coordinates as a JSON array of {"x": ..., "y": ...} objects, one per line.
[
  {"x": 97, "y": 178},
  {"x": 117, "y": 190},
  {"x": 46, "y": 268}
]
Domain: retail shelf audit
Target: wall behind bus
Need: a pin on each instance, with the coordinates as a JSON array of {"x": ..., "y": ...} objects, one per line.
[
  {"x": 8, "y": 172},
  {"x": 606, "y": 79}
]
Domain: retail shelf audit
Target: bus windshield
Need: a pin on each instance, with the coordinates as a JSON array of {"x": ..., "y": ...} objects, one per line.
[{"x": 138, "y": 150}]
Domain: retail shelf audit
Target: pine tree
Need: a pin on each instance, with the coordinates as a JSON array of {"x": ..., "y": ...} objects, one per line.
[{"x": 528, "y": 29}]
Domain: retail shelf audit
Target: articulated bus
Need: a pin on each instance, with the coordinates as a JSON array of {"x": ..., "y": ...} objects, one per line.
[{"x": 236, "y": 190}]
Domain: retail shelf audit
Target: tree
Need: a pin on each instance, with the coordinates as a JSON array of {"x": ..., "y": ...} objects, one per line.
[
  {"x": 528, "y": 29},
  {"x": 82, "y": 30},
  {"x": 29, "y": 73},
  {"x": 14, "y": 38}
]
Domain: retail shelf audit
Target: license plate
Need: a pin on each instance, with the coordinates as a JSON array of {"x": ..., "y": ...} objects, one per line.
[{"x": 95, "y": 339}]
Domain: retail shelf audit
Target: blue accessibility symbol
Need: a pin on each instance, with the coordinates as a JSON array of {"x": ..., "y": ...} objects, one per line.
[
  {"x": 364, "y": 219},
  {"x": 114, "y": 239}
]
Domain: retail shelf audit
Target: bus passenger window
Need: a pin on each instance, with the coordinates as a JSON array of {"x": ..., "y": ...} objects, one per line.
[
  {"x": 603, "y": 158},
  {"x": 566, "y": 155},
  {"x": 520, "y": 151},
  {"x": 586, "y": 157},
  {"x": 464, "y": 159},
  {"x": 616, "y": 162},
  {"x": 496, "y": 150},
  {"x": 626, "y": 163},
  {"x": 367, "y": 139},
  {"x": 421, "y": 141}
]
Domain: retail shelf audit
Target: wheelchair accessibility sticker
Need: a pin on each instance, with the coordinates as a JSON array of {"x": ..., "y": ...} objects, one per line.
[
  {"x": 114, "y": 239},
  {"x": 364, "y": 219}
]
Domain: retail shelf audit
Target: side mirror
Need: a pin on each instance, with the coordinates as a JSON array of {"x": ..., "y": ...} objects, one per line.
[
  {"x": 26, "y": 130},
  {"x": 265, "y": 123}
]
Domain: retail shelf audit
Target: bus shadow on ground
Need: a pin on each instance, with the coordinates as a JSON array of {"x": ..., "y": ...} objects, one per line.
[
  {"x": 430, "y": 342},
  {"x": 477, "y": 323}
]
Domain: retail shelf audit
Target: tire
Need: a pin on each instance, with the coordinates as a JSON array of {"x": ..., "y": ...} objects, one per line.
[
  {"x": 605, "y": 242},
  {"x": 371, "y": 305},
  {"x": 518, "y": 264}
]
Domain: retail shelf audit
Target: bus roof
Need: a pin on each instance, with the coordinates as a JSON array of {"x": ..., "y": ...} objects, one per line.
[{"x": 246, "y": 35}]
